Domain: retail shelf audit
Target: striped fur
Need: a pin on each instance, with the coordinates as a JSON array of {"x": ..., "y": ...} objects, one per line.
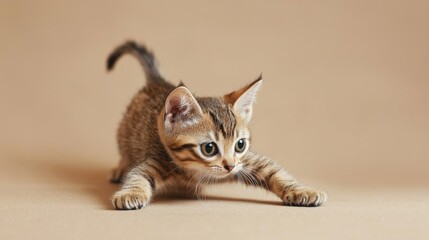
[{"x": 162, "y": 135}]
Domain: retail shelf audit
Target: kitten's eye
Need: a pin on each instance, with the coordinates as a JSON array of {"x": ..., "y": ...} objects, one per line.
[
  {"x": 240, "y": 145},
  {"x": 209, "y": 149}
]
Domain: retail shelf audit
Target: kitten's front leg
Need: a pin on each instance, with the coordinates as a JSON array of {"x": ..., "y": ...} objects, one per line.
[
  {"x": 276, "y": 179},
  {"x": 137, "y": 190}
]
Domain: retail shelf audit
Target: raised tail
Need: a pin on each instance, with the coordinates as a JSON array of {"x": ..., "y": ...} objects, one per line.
[{"x": 145, "y": 57}]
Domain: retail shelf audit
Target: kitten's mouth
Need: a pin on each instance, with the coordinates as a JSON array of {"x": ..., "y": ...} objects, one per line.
[
  {"x": 224, "y": 175},
  {"x": 218, "y": 173}
]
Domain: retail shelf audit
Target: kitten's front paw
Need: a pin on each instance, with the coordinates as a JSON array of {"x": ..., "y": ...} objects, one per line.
[
  {"x": 130, "y": 199},
  {"x": 304, "y": 196}
]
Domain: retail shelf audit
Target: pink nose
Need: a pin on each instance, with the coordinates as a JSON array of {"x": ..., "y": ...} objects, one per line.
[{"x": 228, "y": 167}]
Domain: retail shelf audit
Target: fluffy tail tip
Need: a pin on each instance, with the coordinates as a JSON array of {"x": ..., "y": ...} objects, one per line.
[
  {"x": 111, "y": 60},
  {"x": 113, "y": 57}
]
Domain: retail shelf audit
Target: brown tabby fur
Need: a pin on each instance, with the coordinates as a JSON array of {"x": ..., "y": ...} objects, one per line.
[{"x": 160, "y": 139}]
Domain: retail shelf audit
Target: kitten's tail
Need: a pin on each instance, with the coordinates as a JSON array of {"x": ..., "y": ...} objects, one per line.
[{"x": 145, "y": 57}]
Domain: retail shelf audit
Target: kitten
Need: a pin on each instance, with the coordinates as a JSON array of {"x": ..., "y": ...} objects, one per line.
[{"x": 173, "y": 142}]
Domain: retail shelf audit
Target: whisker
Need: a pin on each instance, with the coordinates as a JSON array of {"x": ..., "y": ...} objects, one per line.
[
  {"x": 203, "y": 180},
  {"x": 245, "y": 178},
  {"x": 207, "y": 182},
  {"x": 256, "y": 182},
  {"x": 170, "y": 172},
  {"x": 242, "y": 178},
  {"x": 187, "y": 185},
  {"x": 249, "y": 179},
  {"x": 197, "y": 187},
  {"x": 262, "y": 179}
]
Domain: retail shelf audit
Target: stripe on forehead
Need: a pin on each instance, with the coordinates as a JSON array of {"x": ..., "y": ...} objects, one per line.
[{"x": 221, "y": 115}]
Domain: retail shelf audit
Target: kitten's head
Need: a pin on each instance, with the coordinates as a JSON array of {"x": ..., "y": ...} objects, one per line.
[{"x": 208, "y": 135}]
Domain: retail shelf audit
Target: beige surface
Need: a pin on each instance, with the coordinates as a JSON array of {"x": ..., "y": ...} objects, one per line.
[{"x": 345, "y": 107}]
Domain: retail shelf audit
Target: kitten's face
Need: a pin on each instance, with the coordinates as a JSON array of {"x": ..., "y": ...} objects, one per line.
[
  {"x": 214, "y": 144},
  {"x": 208, "y": 136}
]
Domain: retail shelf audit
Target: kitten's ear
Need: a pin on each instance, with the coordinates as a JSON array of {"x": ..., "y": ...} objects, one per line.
[
  {"x": 243, "y": 99},
  {"x": 181, "y": 109}
]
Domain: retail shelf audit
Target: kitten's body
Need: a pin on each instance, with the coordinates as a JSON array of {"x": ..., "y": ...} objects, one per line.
[{"x": 165, "y": 133}]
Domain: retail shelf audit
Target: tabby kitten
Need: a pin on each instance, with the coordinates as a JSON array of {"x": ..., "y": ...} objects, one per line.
[{"x": 171, "y": 141}]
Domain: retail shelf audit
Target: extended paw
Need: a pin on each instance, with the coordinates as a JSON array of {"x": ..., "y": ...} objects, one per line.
[
  {"x": 130, "y": 199},
  {"x": 304, "y": 196}
]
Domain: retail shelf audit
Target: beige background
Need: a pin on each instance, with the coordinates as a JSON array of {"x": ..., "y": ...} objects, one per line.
[{"x": 344, "y": 106}]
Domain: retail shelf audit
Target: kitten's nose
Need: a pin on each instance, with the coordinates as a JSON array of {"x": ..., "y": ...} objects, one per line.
[{"x": 228, "y": 167}]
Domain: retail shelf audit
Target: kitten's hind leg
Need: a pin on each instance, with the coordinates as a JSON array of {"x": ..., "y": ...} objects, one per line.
[{"x": 119, "y": 171}]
